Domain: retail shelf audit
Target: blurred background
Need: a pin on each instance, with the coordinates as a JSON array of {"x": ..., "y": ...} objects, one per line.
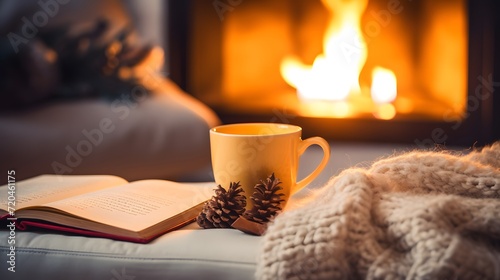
[
  {"x": 131, "y": 87},
  {"x": 383, "y": 71}
]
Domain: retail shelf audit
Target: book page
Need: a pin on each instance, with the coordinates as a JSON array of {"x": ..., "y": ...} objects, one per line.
[
  {"x": 137, "y": 205},
  {"x": 47, "y": 188}
]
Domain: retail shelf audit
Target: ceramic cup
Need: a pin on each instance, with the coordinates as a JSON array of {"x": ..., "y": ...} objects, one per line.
[{"x": 250, "y": 152}]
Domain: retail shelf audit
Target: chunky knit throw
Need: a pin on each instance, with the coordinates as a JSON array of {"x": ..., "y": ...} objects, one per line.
[{"x": 419, "y": 215}]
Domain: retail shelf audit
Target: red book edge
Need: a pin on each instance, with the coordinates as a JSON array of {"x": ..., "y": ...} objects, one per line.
[{"x": 25, "y": 225}]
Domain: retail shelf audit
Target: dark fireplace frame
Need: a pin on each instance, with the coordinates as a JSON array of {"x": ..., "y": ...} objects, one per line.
[{"x": 480, "y": 127}]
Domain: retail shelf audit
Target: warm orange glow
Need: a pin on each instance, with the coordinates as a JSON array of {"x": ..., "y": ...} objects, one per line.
[
  {"x": 335, "y": 73},
  {"x": 385, "y": 111},
  {"x": 315, "y": 108},
  {"x": 384, "y": 85},
  {"x": 332, "y": 59}
]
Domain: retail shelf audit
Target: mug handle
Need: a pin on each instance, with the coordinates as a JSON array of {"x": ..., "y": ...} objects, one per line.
[{"x": 303, "y": 145}]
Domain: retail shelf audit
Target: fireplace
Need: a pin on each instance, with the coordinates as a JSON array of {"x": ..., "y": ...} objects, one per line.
[{"x": 369, "y": 70}]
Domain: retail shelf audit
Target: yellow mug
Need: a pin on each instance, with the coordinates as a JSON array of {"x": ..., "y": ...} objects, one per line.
[{"x": 251, "y": 152}]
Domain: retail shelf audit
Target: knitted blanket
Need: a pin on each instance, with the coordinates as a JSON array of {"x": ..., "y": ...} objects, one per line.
[{"x": 419, "y": 215}]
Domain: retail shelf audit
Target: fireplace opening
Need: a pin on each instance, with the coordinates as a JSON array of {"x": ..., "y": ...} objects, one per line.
[
  {"x": 378, "y": 70},
  {"x": 340, "y": 59}
]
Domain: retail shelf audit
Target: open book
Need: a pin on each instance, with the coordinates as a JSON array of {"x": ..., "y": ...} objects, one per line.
[{"x": 103, "y": 205}]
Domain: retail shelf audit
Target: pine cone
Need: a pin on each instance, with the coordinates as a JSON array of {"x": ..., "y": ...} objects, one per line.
[
  {"x": 266, "y": 201},
  {"x": 223, "y": 208}
]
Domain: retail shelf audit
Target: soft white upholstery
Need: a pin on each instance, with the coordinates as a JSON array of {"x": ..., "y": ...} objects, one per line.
[
  {"x": 183, "y": 254},
  {"x": 165, "y": 136}
]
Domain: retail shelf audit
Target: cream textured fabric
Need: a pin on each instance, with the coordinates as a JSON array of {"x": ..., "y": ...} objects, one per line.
[{"x": 419, "y": 215}]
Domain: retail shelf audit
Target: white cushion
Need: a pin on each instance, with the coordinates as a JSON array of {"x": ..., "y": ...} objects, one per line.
[
  {"x": 182, "y": 254},
  {"x": 165, "y": 136}
]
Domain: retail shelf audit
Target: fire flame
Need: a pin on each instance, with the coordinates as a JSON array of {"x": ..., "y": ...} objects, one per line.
[
  {"x": 334, "y": 75},
  {"x": 384, "y": 91},
  {"x": 384, "y": 85}
]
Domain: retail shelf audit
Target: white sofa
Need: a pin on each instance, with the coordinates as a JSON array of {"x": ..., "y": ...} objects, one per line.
[
  {"x": 188, "y": 253},
  {"x": 183, "y": 254},
  {"x": 164, "y": 137}
]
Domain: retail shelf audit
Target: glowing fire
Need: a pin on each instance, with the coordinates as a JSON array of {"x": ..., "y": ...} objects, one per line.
[
  {"x": 334, "y": 75},
  {"x": 384, "y": 91},
  {"x": 384, "y": 85}
]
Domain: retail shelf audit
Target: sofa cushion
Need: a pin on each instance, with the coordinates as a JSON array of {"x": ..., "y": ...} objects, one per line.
[
  {"x": 133, "y": 136},
  {"x": 182, "y": 254}
]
